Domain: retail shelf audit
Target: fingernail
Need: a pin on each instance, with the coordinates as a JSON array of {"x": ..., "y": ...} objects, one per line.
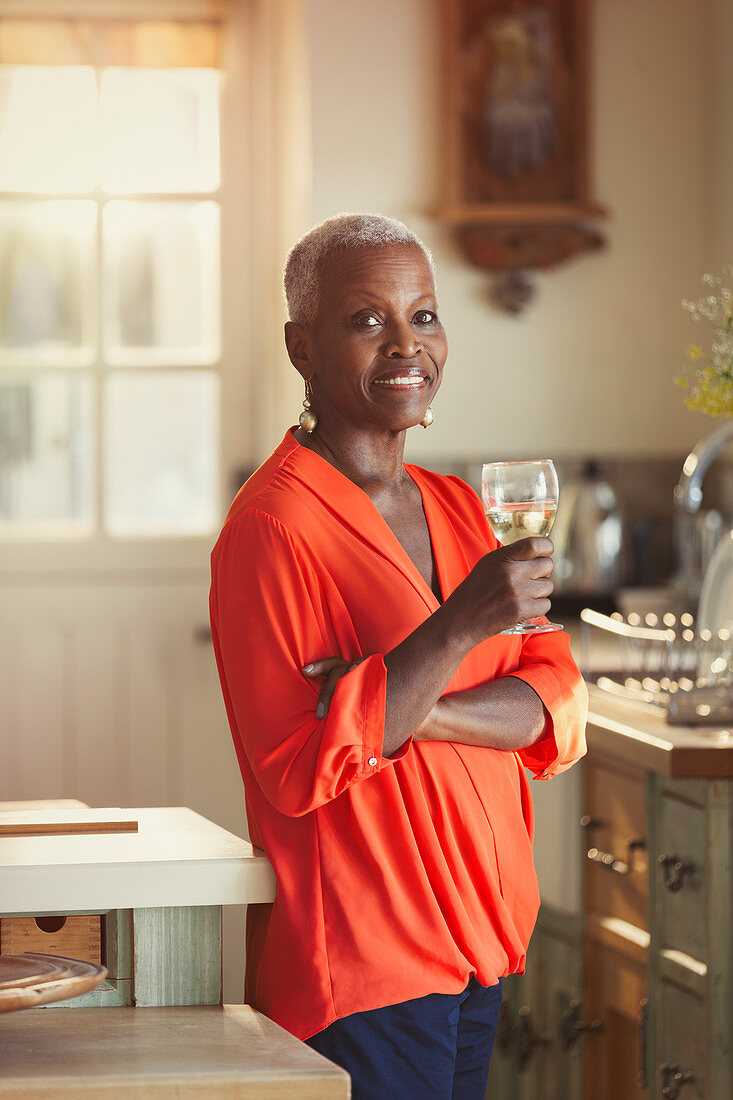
[
  {"x": 308, "y": 668},
  {"x": 320, "y": 710}
]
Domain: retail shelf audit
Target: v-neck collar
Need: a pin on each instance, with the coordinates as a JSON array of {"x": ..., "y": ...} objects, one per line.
[{"x": 358, "y": 510}]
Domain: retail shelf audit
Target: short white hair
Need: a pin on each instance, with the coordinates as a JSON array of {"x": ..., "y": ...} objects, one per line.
[{"x": 304, "y": 265}]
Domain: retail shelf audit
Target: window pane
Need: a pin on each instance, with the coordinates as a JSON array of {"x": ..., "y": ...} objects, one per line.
[
  {"x": 45, "y": 454},
  {"x": 160, "y": 130},
  {"x": 47, "y": 282},
  {"x": 161, "y": 447},
  {"x": 48, "y": 129},
  {"x": 161, "y": 275}
]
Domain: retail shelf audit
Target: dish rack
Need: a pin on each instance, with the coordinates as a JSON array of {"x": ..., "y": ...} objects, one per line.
[{"x": 665, "y": 662}]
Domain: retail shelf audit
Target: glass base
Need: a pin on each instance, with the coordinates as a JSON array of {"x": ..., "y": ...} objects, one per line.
[{"x": 532, "y": 627}]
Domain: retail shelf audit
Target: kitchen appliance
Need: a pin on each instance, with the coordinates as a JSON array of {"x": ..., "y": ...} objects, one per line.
[{"x": 590, "y": 538}]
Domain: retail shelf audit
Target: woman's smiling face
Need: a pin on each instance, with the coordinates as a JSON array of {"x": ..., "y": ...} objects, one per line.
[{"x": 377, "y": 347}]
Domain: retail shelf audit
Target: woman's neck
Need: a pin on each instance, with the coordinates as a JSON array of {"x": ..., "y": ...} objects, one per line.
[{"x": 369, "y": 459}]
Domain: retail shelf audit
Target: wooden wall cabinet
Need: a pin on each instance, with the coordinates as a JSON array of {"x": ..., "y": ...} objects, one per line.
[{"x": 516, "y": 110}]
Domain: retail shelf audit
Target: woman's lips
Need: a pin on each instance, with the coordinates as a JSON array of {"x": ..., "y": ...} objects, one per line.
[{"x": 403, "y": 379}]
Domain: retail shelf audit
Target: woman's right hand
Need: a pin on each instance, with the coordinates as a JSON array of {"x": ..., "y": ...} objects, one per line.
[{"x": 506, "y": 586}]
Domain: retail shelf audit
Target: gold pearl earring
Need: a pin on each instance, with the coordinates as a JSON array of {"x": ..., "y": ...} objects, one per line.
[
  {"x": 428, "y": 419},
  {"x": 307, "y": 419}
]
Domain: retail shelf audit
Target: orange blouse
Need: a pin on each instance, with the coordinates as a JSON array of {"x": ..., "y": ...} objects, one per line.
[{"x": 400, "y": 876}]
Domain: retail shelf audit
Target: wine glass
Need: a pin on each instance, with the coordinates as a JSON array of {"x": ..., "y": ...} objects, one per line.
[{"x": 520, "y": 500}]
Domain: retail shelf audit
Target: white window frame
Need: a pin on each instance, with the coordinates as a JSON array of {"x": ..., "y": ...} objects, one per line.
[{"x": 264, "y": 200}]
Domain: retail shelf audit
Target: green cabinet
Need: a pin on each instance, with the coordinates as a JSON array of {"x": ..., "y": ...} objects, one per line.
[
  {"x": 691, "y": 924},
  {"x": 673, "y": 951},
  {"x": 650, "y": 960},
  {"x": 538, "y": 1051}
]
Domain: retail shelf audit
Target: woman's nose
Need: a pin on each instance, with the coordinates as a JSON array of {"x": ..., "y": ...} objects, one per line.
[{"x": 402, "y": 342}]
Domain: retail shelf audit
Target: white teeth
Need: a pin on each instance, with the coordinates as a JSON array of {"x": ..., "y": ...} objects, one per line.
[{"x": 409, "y": 381}]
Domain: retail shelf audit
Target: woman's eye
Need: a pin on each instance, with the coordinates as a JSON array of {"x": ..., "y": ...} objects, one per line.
[
  {"x": 367, "y": 320},
  {"x": 425, "y": 317}
]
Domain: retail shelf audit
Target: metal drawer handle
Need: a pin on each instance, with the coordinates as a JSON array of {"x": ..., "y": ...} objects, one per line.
[
  {"x": 672, "y": 1070},
  {"x": 675, "y": 871},
  {"x": 612, "y": 862},
  {"x": 526, "y": 1038},
  {"x": 571, "y": 1027}
]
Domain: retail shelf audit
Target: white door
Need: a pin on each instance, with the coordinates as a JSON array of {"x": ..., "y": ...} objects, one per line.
[{"x": 124, "y": 268}]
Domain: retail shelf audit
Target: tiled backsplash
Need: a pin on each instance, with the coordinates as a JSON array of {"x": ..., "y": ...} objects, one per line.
[{"x": 644, "y": 488}]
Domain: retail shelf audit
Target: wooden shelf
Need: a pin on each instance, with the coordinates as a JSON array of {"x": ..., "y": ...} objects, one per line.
[{"x": 505, "y": 214}]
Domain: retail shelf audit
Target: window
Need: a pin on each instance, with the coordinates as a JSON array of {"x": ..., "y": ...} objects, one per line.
[{"x": 110, "y": 331}]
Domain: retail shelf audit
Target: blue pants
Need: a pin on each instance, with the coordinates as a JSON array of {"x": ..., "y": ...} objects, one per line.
[{"x": 432, "y": 1048}]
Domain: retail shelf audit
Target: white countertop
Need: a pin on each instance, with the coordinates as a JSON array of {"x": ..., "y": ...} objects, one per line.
[{"x": 176, "y": 858}]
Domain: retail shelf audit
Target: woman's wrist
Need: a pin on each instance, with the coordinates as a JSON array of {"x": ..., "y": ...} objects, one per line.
[{"x": 454, "y": 634}]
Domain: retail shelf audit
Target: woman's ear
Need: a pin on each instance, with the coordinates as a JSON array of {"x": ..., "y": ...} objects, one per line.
[{"x": 298, "y": 343}]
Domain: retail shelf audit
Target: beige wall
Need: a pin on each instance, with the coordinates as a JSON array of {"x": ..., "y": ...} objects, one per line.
[
  {"x": 588, "y": 368},
  {"x": 721, "y": 136}
]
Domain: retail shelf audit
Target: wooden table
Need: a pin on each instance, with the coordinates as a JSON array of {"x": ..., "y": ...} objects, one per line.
[
  {"x": 159, "y": 892},
  {"x": 221, "y": 1053}
]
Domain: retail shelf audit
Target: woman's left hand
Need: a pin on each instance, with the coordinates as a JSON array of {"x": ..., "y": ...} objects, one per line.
[{"x": 333, "y": 668}]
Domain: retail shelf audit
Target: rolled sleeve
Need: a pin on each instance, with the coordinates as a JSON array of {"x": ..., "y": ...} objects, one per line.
[
  {"x": 374, "y": 695},
  {"x": 270, "y": 618},
  {"x": 548, "y": 667}
]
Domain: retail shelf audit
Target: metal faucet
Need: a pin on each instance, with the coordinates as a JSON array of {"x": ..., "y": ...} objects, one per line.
[
  {"x": 688, "y": 490},
  {"x": 695, "y": 540}
]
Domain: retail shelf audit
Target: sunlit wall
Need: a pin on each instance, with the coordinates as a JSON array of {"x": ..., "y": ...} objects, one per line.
[{"x": 588, "y": 368}]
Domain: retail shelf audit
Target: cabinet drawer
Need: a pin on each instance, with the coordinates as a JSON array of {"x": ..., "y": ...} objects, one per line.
[
  {"x": 680, "y": 886},
  {"x": 681, "y": 1042},
  {"x": 615, "y": 803},
  {"x": 615, "y": 986},
  {"x": 76, "y": 937}
]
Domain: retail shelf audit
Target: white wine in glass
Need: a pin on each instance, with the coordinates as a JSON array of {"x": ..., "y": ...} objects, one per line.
[{"x": 520, "y": 500}]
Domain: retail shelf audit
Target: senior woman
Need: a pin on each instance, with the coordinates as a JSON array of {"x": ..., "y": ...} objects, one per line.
[{"x": 382, "y": 723}]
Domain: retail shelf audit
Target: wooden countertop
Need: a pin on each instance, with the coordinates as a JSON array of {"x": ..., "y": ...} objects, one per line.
[
  {"x": 228, "y": 1052},
  {"x": 638, "y": 732},
  {"x": 176, "y": 858}
]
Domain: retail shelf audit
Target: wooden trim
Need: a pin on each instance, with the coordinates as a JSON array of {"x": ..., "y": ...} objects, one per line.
[
  {"x": 68, "y": 828},
  {"x": 518, "y": 213},
  {"x": 139, "y": 10}
]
